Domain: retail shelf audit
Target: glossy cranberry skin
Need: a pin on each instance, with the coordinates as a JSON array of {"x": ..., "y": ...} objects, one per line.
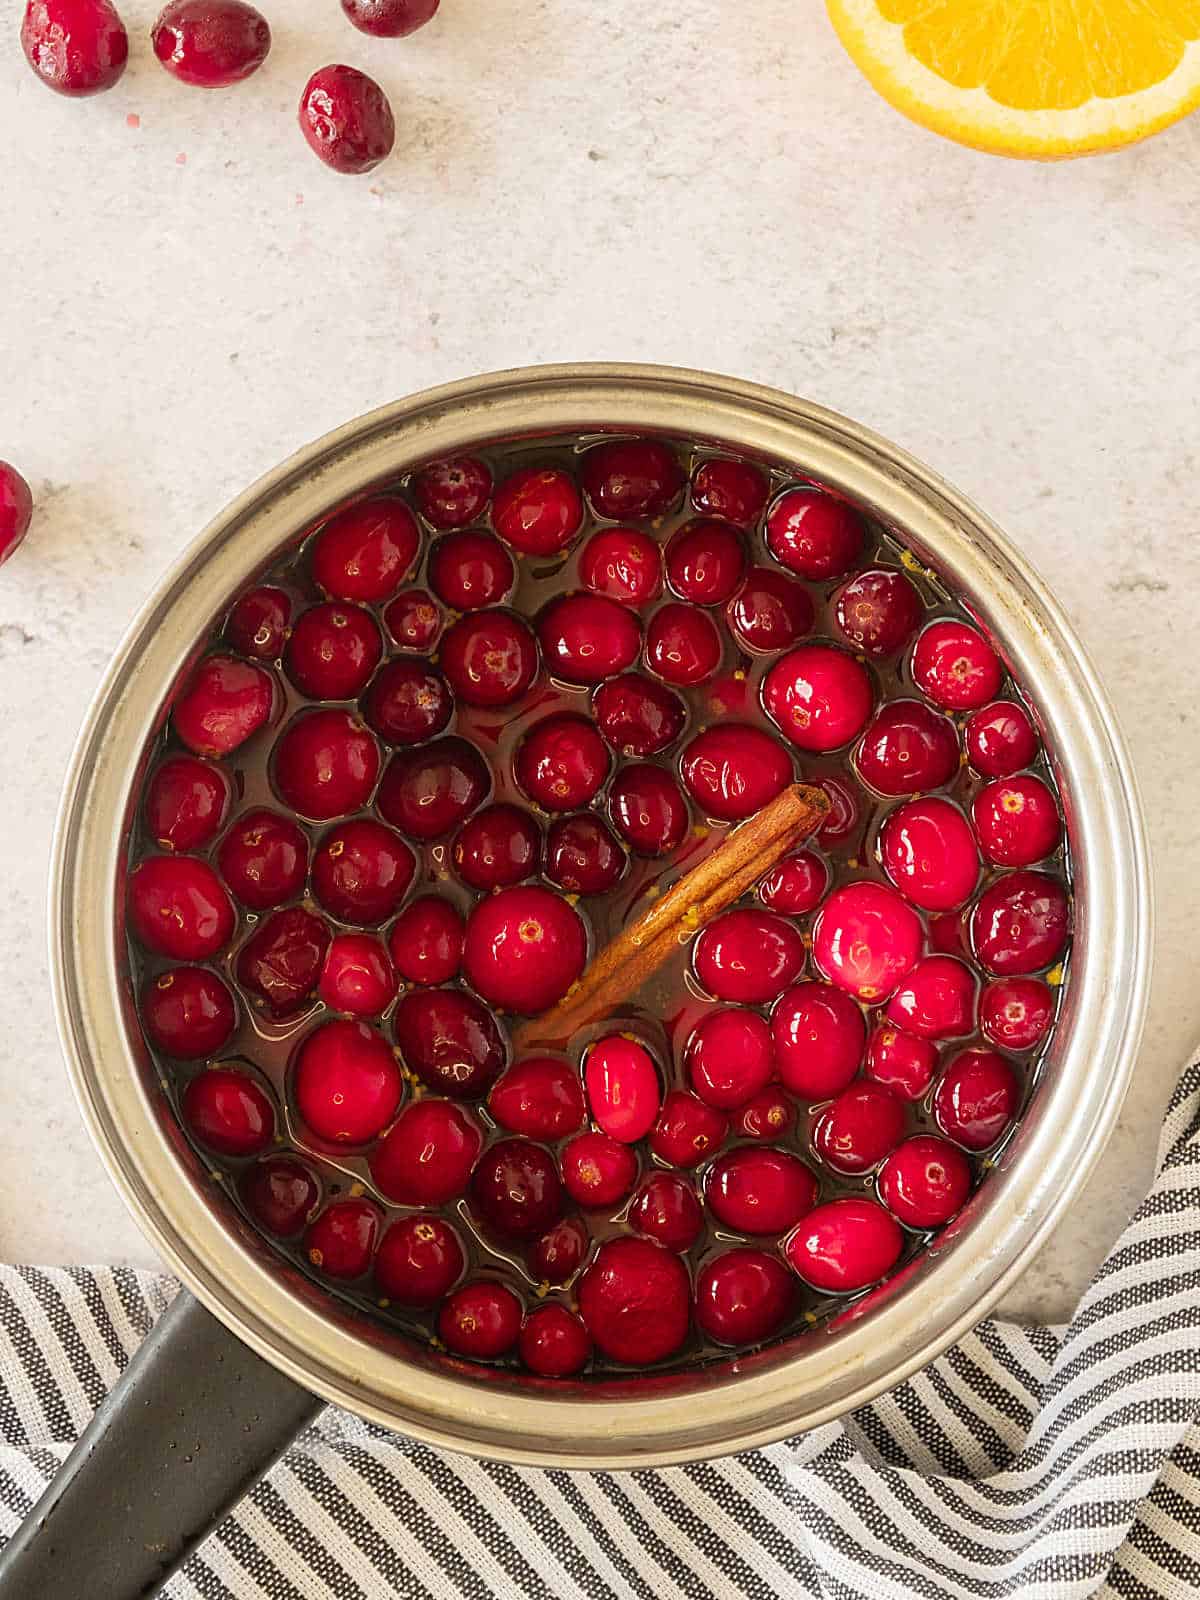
[
  {"x": 597, "y": 1170},
  {"x": 814, "y": 535},
  {"x": 582, "y": 855},
  {"x": 976, "y": 1098},
  {"x": 928, "y": 851},
  {"x": 859, "y": 1128},
  {"x": 631, "y": 478},
  {"x": 481, "y": 1320},
  {"x": 346, "y": 1082},
  {"x": 188, "y": 1013},
  {"x": 955, "y": 666},
  {"x": 394, "y": 19},
  {"x": 227, "y": 1111},
  {"x": 540, "y": 1096},
  {"x": 865, "y": 939},
  {"x": 210, "y": 43},
  {"x": 795, "y": 885},
  {"x": 419, "y": 1260},
  {"x": 767, "y": 1115},
  {"x": 515, "y": 1188},
  {"x": 357, "y": 977},
  {"x": 427, "y": 792},
  {"x": 258, "y": 623},
  {"x": 877, "y": 611},
  {"x": 449, "y": 1040},
  {"x": 637, "y": 716},
  {"x": 562, "y": 762},
  {"x": 1000, "y": 739},
  {"x": 361, "y": 871},
  {"x": 1020, "y": 923},
  {"x": 186, "y": 801},
  {"x": 341, "y": 1241},
  {"x": 687, "y": 1130},
  {"x": 16, "y": 509},
  {"x": 900, "y": 1061},
  {"x": 819, "y": 1036},
  {"x": 843, "y": 816},
  {"x": 1016, "y": 821},
  {"x": 647, "y": 808},
  {"x": 332, "y": 651},
  {"x": 705, "y": 562},
  {"x": 908, "y": 748},
  {"x": 623, "y": 1087},
  {"x": 733, "y": 770},
  {"x": 497, "y": 847},
  {"x": 586, "y": 638},
  {"x": 76, "y": 47},
  {"x": 279, "y": 1194},
  {"x": 622, "y": 564},
  {"x": 413, "y": 619},
  {"x": 226, "y": 701},
  {"x": 346, "y": 119},
  {"x": 1015, "y": 1013},
  {"x": 770, "y": 611},
  {"x": 744, "y": 1296},
  {"x": 936, "y": 1000},
  {"x": 553, "y": 1343},
  {"x": 408, "y": 701},
  {"x": 682, "y": 644},
  {"x": 537, "y": 510},
  {"x": 427, "y": 1155},
  {"x": 925, "y": 1181},
  {"x": 755, "y": 1189},
  {"x": 732, "y": 490},
  {"x": 178, "y": 907},
  {"x": 635, "y": 1301},
  {"x": 363, "y": 553},
  {"x": 820, "y": 698},
  {"x": 451, "y": 493},
  {"x": 524, "y": 948},
  {"x": 471, "y": 569},
  {"x": 425, "y": 942},
  {"x": 667, "y": 1209},
  {"x": 326, "y": 764},
  {"x": 264, "y": 859},
  {"x": 748, "y": 956},
  {"x": 729, "y": 1057},
  {"x": 947, "y": 934},
  {"x": 556, "y": 1256},
  {"x": 281, "y": 961},
  {"x": 490, "y": 658},
  {"x": 844, "y": 1245}
]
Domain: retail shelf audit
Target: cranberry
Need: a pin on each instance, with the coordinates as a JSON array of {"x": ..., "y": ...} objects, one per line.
[
  {"x": 449, "y": 1040},
  {"x": 637, "y": 716},
  {"x": 843, "y": 815},
  {"x": 341, "y": 1241},
  {"x": 631, "y": 478},
  {"x": 332, "y": 652},
  {"x": 1016, "y": 820},
  {"x": 413, "y": 619},
  {"x": 908, "y": 748},
  {"x": 490, "y": 658},
  {"x": 346, "y": 119},
  {"x": 426, "y": 940},
  {"x": 744, "y": 1296},
  {"x": 419, "y": 1260},
  {"x": 877, "y": 611},
  {"x": 733, "y": 770},
  {"x": 865, "y": 939},
  {"x": 188, "y": 1013},
  {"x": 210, "y": 43},
  {"x": 223, "y": 704},
  {"x": 363, "y": 553},
  {"x": 394, "y": 19},
  {"x": 729, "y": 1057},
  {"x": 770, "y": 611},
  {"x": 900, "y": 1061},
  {"x": 598, "y": 1170},
  {"x": 755, "y": 1189},
  {"x": 258, "y": 624},
  {"x": 497, "y": 847},
  {"x": 928, "y": 851},
  {"x": 540, "y": 1096},
  {"x": 357, "y": 976},
  {"x": 556, "y": 1256},
  {"x": 586, "y": 638},
  {"x": 186, "y": 802},
  {"x": 648, "y": 810},
  {"x": 449, "y": 493},
  {"x": 346, "y": 1082},
  {"x": 682, "y": 644},
  {"x": 687, "y": 1130},
  {"x": 925, "y": 1181},
  {"x": 471, "y": 569},
  {"x": 623, "y": 1087},
  {"x": 859, "y": 1127},
  {"x": 554, "y": 1343},
  {"x": 844, "y": 1245},
  {"x": 537, "y": 510},
  {"x": 666, "y": 1208},
  {"x": 819, "y": 1035},
  {"x": 582, "y": 855},
  {"x": 814, "y": 534},
  {"x": 622, "y": 564},
  {"x": 747, "y": 955},
  {"x": 280, "y": 1194},
  {"x": 730, "y": 695},
  {"x": 481, "y": 1320},
  {"x": 515, "y": 1188},
  {"x": 228, "y": 1112},
  {"x": 1000, "y": 739},
  {"x": 326, "y": 764},
  {"x": 1020, "y": 923},
  {"x": 732, "y": 490},
  {"x": 936, "y": 1000},
  {"x": 1015, "y": 1013},
  {"x": 705, "y": 562},
  {"x": 361, "y": 871},
  {"x": 976, "y": 1098},
  {"x": 76, "y": 47},
  {"x": 820, "y": 697},
  {"x": 795, "y": 885},
  {"x": 427, "y": 792},
  {"x": 524, "y": 948},
  {"x": 955, "y": 666},
  {"x": 281, "y": 961},
  {"x": 264, "y": 859},
  {"x": 947, "y": 935},
  {"x": 16, "y": 509},
  {"x": 178, "y": 908},
  {"x": 767, "y": 1115},
  {"x": 635, "y": 1301},
  {"x": 427, "y": 1155},
  {"x": 408, "y": 702},
  {"x": 562, "y": 762}
]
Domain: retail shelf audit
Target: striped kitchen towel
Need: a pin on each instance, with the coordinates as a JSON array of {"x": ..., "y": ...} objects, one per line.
[{"x": 1032, "y": 1462}]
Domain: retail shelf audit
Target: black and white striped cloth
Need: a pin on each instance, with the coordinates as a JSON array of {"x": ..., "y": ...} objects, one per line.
[{"x": 1032, "y": 1462}]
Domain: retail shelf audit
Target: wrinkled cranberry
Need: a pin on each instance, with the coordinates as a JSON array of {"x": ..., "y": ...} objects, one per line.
[
  {"x": 635, "y": 1301},
  {"x": 1020, "y": 923},
  {"x": 622, "y": 564},
  {"x": 976, "y": 1098},
  {"x": 819, "y": 697},
  {"x": 453, "y": 492},
  {"x": 582, "y": 855},
  {"x": 408, "y": 702},
  {"x": 767, "y": 1115},
  {"x": 732, "y": 490},
  {"x": 470, "y": 569},
  {"x": 427, "y": 792},
  {"x": 1000, "y": 739},
  {"x": 623, "y": 1087},
  {"x": 346, "y": 119},
  {"x": 877, "y": 611},
  {"x": 554, "y": 1343},
  {"x": 814, "y": 534},
  {"x": 795, "y": 885},
  {"x": 865, "y": 939},
  {"x": 76, "y": 47},
  {"x": 16, "y": 509},
  {"x": 361, "y": 871},
  {"x": 586, "y": 638},
  {"x": 556, "y": 1256},
  {"x": 258, "y": 623},
  {"x": 936, "y": 1000},
  {"x": 186, "y": 801},
  {"x": 844, "y": 1245},
  {"x": 908, "y": 748},
  {"x": 744, "y": 1296},
  {"x": 427, "y": 1155},
  {"x": 480, "y": 1320},
  {"x": 631, "y": 478},
  {"x": 637, "y": 716},
  {"x": 687, "y": 1130},
  {"x": 280, "y": 1194},
  {"x": 357, "y": 976},
  {"x": 346, "y": 1082},
  {"x": 228, "y": 1112},
  {"x": 537, "y": 510},
  {"x": 598, "y": 1170},
  {"x": 363, "y": 553},
  {"x": 1016, "y": 1013},
  {"x": 179, "y": 908},
  {"x": 666, "y": 1208},
  {"x": 210, "y": 43},
  {"x": 562, "y": 762},
  {"x": 647, "y": 808},
  {"x": 770, "y": 611},
  {"x": 490, "y": 658},
  {"x": 900, "y": 1061},
  {"x": 524, "y": 948},
  {"x": 682, "y": 644},
  {"x": 515, "y": 1188},
  {"x": 733, "y": 770},
  {"x": 413, "y": 619},
  {"x": 955, "y": 666},
  {"x": 705, "y": 562},
  {"x": 755, "y": 1189},
  {"x": 1016, "y": 820},
  {"x": 747, "y": 955},
  {"x": 281, "y": 961},
  {"x": 928, "y": 851},
  {"x": 540, "y": 1096},
  {"x": 425, "y": 942},
  {"x": 819, "y": 1035},
  {"x": 729, "y": 1057},
  {"x": 859, "y": 1127},
  {"x": 419, "y": 1260},
  {"x": 392, "y": 19},
  {"x": 449, "y": 1040},
  {"x": 188, "y": 1013},
  {"x": 224, "y": 703},
  {"x": 326, "y": 764},
  {"x": 264, "y": 859},
  {"x": 924, "y": 1181},
  {"x": 497, "y": 847},
  {"x": 332, "y": 651},
  {"x": 341, "y": 1241}
]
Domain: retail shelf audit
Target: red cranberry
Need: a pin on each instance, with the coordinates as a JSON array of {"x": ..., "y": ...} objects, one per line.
[
  {"x": 264, "y": 859},
  {"x": 471, "y": 569},
  {"x": 820, "y": 697},
  {"x": 490, "y": 658},
  {"x": 326, "y": 764},
  {"x": 976, "y": 1098},
  {"x": 186, "y": 802},
  {"x": 858, "y": 1128},
  {"x": 623, "y": 1087},
  {"x": 178, "y": 908},
  {"x": 908, "y": 748},
  {"x": 1016, "y": 820},
  {"x": 419, "y": 1260},
  {"x": 744, "y": 1296},
  {"x": 346, "y": 1082},
  {"x": 427, "y": 1155},
  {"x": 759, "y": 1190},
  {"x": 497, "y": 847},
  {"x": 357, "y": 976},
  {"x": 515, "y": 1188},
  {"x": 481, "y": 1320},
  {"x": 687, "y": 1130},
  {"x": 413, "y": 619},
  {"x": 524, "y": 948},
  {"x": 814, "y": 534},
  {"x": 748, "y": 956},
  {"x": 770, "y": 611},
  {"x": 279, "y": 1194},
  {"x": 341, "y": 1241},
  {"x": 332, "y": 651},
  {"x": 635, "y": 1301},
  {"x": 16, "y": 509},
  {"x": 450, "y": 493},
  {"x": 540, "y": 1096},
  {"x": 556, "y": 1256},
  {"x": 537, "y": 511},
  {"x": 586, "y": 638},
  {"x": 346, "y": 119},
  {"x": 224, "y": 703},
  {"x": 637, "y": 716},
  {"x": 427, "y": 792},
  {"x": 408, "y": 702},
  {"x": 1020, "y": 923},
  {"x": 843, "y": 815},
  {"x": 729, "y": 1057},
  {"x": 682, "y": 644},
  {"x": 844, "y": 1245},
  {"x": 732, "y": 490},
  {"x": 361, "y": 871},
  {"x": 730, "y": 695},
  {"x": 76, "y": 47},
  {"x": 648, "y": 810},
  {"x": 622, "y": 564},
  {"x": 598, "y": 1170},
  {"x": 449, "y": 1040},
  {"x": 631, "y": 478},
  {"x": 733, "y": 770},
  {"x": 562, "y": 762},
  {"x": 425, "y": 942},
  {"x": 925, "y": 1181},
  {"x": 666, "y": 1208},
  {"x": 877, "y": 611},
  {"x": 582, "y": 855},
  {"x": 865, "y": 939},
  {"x": 393, "y": 19},
  {"x": 900, "y": 1061},
  {"x": 705, "y": 562},
  {"x": 936, "y": 1000},
  {"x": 955, "y": 666},
  {"x": 210, "y": 43},
  {"x": 795, "y": 885},
  {"x": 364, "y": 551},
  {"x": 947, "y": 935},
  {"x": 258, "y": 624},
  {"x": 767, "y": 1115},
  {"x": 227, "y": 1111},
  {"x": 928, "y": 851},
  {"x": 554, "y": 1343},
  {"x": 281, "y": 961},
  {"x": 1000, "y": 739},
  {"x": 1015, "y": 1013},
  {"x": 188, "y": 1013},
  {"x": 819, "y": 1034}
]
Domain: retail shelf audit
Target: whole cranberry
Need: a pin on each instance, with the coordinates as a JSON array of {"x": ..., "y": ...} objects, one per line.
[
  {"x": 859, "y": 1127},
  {"x": 936, "y": 1000},
  {"x": 1020, "y": 923},
  {"x": 413, "y": 619},
  {"x": 729, "y": 1057},
  {"x": 449, "y": 1040},
  {"x": 210, "y": 43},
  {"x": 733, "y": 770},
  {"x": 361, "y": 871},
  {"x": 264, "y": 859},
  {"x": 770, "y": 611},
  {"x": 341, "y": 1241},
  {"x": 281, "y": 962},
  {"x": 427, "y": 792},
  {"x": 819, "y": 1036},
  {"x": 16, "y": 509},
  {"x": 408, "y": 701},
  {"x": 865, "y": 939},
  {"x": 925, "y": 1181},
  {"x": 357, "y": 977},
  {"x": 516, "y": 1190},
  {"x": 732, "y": 490},
  {"x": 470, "y": 569},
  {"x": 1016, "y": 820},
  {"x": 586, "y": 638},
  {"x": 425, "y": 942},
  {"x": 393, "y": 19},
  {"x": 755, "y": 1189},
  {"x": 705, "y": 562},
  {"x": 623, "y": 1087},
  {"x": 540, "y": 1096},
  {"x": 908, "y": 748},
  {"x": 427, "y": 1155},
  {"x": 648, "y": 810},
  {"x": 227, "y": 1111},
  {"x": 622, "y": 564},
  {"x": 767, "y": 1115},
  {"x": 635, "y": 1301},
  {"x": 453, "y": 492},
  {"x": 976, "y": 1098},
  {"x": 1015, "y": 1013},
  {"x": 497, "y": 847},
  {"x": 524, "y": 948},
  {"x": 554, "y": 1343},
  {"x": 556, "y": 1256},
  {"x": 682, "y": 644},
  {"x": 582, "y": 854},
  {"x": 481, "y": 1320},
  {"x": 280, "y": 1194},
  {"x": 637, "y": 716},
  {"x": 346, "y": 119},
  {"x": 667, "y": 1209},
  {"x": 955, "y": 666},
  {"x": 363, "y": 553},
  {"x": 877, "y": 611},
  {"x": 631, "y": 478},
  {"x": 419, "y": 1260},
  {"x": 332, "y": 651},
  {"x": 258, "y": 623},
  {"x": 900, "y": 1061},
  {"x": 844, "y": 814},
  {"x": 326, "y": 764},
  {"x": 687, "y": 1130},
  {"x": 346, "y": 1082},
  {"x": 188, "y": 1013},
  {"x": 186, "y": 801},
  {"x": 178, "y": 907},
  {"x": 76, "y": 47},
  {"x": 744, "y": 1296},
  {"x": 747, "y": 955},
  {"x": 1000, "y": 739},
  {"x": 819, "y": 697},
  {"x": 224, "y": 702},
  {"x": 814, "y": 534},
  {"x": 562, "y": 762},
  {"x": 490, "y": 658},
  {"x": 796, "y": 884},
  {"x": 928, "y": 851},
  {"x": 597, "y": 1170},
  {"x": 844, "y": 1245},
  {"x": 537, "y": 510}
]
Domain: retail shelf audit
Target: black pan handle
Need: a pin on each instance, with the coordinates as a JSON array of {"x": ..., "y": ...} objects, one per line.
[{"x": 194, "y": 1421}]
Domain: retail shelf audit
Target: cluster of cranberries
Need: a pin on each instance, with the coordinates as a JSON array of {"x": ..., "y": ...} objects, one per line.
[{"x": 445, "y": 753}]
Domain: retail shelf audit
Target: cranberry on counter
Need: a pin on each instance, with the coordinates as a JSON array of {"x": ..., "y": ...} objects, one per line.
[
  {"x": 210, "y": 43},
  {"x": 16, "y": 509},
  {"x": 346, "y": 119},
  {"x": 76, "y": 47}
]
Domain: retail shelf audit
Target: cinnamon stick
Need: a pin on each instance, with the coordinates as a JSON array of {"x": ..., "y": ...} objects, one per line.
[{"x": 637, "y": 952}]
